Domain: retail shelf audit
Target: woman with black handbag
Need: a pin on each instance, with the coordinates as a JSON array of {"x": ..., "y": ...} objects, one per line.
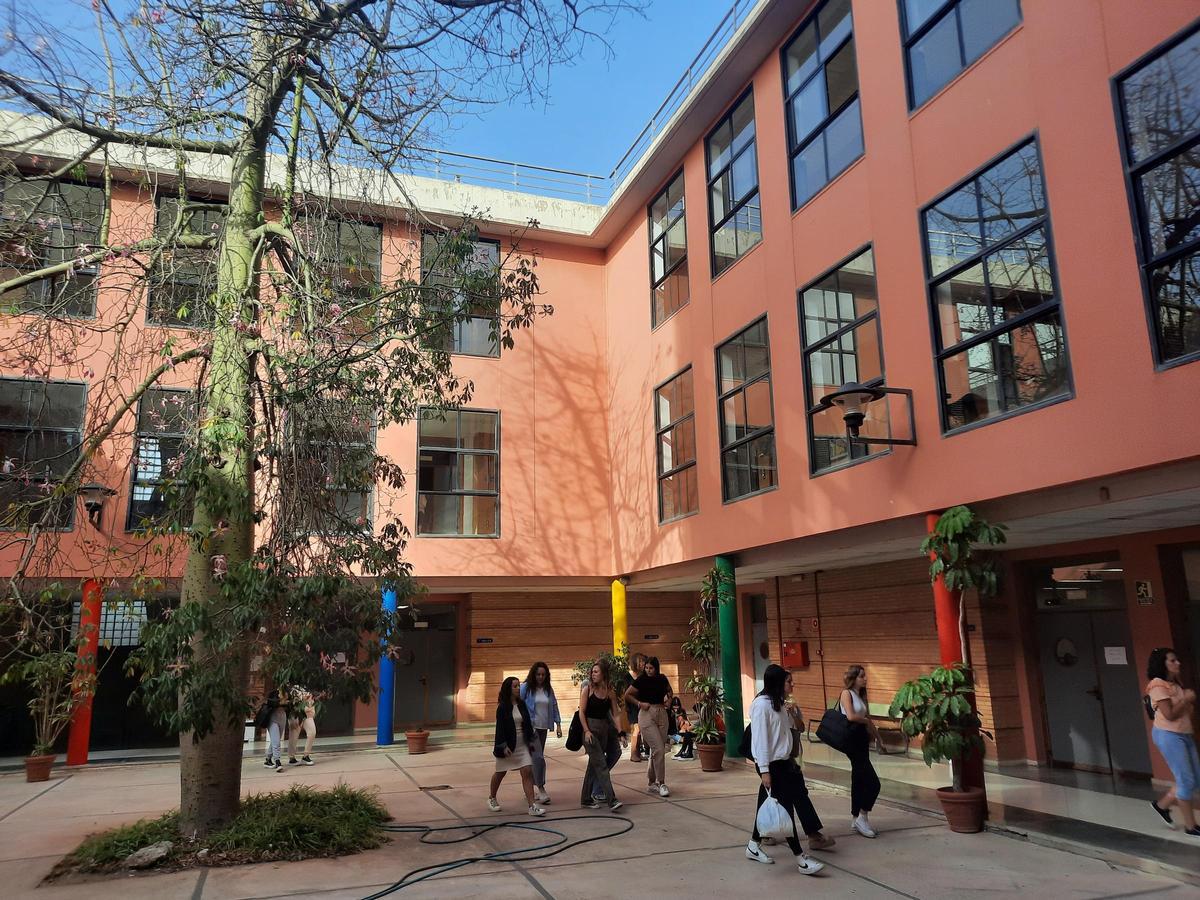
[
  {"x": 514, "y": 745},
  {"x": 599, "y": 716},
  {"x": 864, "y": 783}
]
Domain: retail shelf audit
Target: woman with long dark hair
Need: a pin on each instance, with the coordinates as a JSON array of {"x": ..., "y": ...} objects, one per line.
[
  {"x": 599, "y": 715},
  {"x": 683, "y": 728},
  {"x": 515, "y": 740},
  {"x": 864, "y": 783},
  {"x": 771, "y": 747},
  {"x": 538, "y": 697},
  {"x": 652, "y": 693},
  {"x": 1172, "y": 733}
]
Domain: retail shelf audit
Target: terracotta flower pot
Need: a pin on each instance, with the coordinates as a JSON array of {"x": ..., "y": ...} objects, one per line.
[
  {"x": 37, "y": 768},
  {"x": 965, "y": 810},
  {"x": 710, "y": 756},
  {"x": 416, "y": 741}
]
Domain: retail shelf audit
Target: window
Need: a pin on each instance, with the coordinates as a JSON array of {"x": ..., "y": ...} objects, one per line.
[
  {"x": 458, "y": 477},
  {"x": 943, "y": 37},
  {"x": 45, "y": 223},
  {"x": 1000, "y": 339},
  {"x": 824, "y": 126},
  {"x": 1159, "y": 107},
  {"x": 465, "y": 296},
  {"x": 747, "y": 420},
  {"x": 164, "y": 417},
  {"x": 735, "y": 213},
  {"x": 41, "y": 432},
  {"x": 668, "y": 253},
  {"x": 347, "y": 254},
  {"x": 181, "y": 285},
  {"x": 842, "y": 343},
  {"x": 675, "y": 444},
  {"x": 333, "y": 446}
]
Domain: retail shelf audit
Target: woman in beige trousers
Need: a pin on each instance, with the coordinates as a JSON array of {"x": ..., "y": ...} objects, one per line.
[{"x": 652, "y": 693}]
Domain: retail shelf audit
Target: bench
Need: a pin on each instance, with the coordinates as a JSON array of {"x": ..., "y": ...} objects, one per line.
[{"x": 878, "y": 712}]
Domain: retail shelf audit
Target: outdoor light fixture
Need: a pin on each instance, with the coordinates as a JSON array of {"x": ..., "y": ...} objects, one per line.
[
  {"x": 93, "y": 496},
  {"x": 852, "y": 398}
]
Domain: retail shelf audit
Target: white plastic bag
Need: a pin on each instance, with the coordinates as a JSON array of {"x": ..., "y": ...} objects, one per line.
[{"x": 773, "y": 820}]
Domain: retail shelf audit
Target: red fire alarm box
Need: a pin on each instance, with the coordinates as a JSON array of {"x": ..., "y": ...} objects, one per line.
[{"x": 795, "y": 654}]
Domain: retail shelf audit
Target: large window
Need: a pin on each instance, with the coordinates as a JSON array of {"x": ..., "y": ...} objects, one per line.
[
  {"x": 181, "y": 285},
  {"x": 943, "y": 37},
  {"x": 747, "y": 418},
  {"x": 458, "y": 477},
  {"x": 668, "y": 252},
  {"x": 1159, "y": 102},
  {"x": 333, "y": 446},
  {"x": 1000, "y": 340},
  {"x": 675, "y": 444},
  {"x": 43, "y": 224},
  {"x": 842, "y": 343},
  {"x": 824, "y": 125},
  {"x": 464, "y": 294},
  {"x": 41, "y": 430},
  {"x": 164, "y": 417},
  {"x": 734, "y": 211}
]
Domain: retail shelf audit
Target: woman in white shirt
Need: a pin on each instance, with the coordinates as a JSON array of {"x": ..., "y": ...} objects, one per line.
[
  {"x": 864, "y": 783},
  {"x": 771, "y": 747},
  {"x": 539, "y": 697}
]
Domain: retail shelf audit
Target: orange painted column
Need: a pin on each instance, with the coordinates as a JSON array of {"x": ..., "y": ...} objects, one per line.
[
  {"x": 947, "y": 604},
  {"x": 85, "y": 672}
]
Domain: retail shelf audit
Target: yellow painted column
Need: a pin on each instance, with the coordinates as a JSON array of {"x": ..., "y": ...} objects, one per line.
[{"x": 620, "y": 624}]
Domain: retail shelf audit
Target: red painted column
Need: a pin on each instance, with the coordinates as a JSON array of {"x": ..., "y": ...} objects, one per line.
[
  {"x": 85, "y": 670},
  {"x": 946, "y": 604}
]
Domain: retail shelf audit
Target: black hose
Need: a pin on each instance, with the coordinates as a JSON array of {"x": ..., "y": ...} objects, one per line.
[{"x": 559, "y": 844}]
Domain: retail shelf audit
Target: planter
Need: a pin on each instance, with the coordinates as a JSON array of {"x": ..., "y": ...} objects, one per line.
[
  {"x": 417, "y": 741},
  {"x": 965, "y": 810},
  {"x": 710, "y": 756},
  {"x": 37, "y": 768}
]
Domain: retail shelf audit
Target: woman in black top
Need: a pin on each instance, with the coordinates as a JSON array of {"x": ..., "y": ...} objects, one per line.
[
  {"x": 683, "y": 728},
  {"x": 514, "y": 744},
  {"x": 599, "y": 715},
  {"x": 652, "y": 693}
]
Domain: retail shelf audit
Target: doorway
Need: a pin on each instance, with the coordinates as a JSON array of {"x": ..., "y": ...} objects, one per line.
[
  {"x": 1090, "y": 684},
  {"x": 425, "y": 670}
]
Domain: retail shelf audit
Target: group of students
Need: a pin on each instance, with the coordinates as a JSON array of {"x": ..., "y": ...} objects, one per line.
[{"x": 291, "y": 710}]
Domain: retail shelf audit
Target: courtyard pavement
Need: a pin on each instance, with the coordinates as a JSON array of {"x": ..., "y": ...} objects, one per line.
[{"x": 691, "y": 844}]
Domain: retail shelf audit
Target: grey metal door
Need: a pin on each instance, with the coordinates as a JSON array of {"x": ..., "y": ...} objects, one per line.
[
  {"x": 1072, "y": 691},
  {"x": 425, "y": 673},
  {"x": 1121, "y": 692}
]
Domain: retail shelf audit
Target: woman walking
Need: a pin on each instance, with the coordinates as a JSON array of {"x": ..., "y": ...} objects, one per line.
[
  {"x": 636, "y": 663},
  {"x": 515, "y": 740},
  {"x": 771, "y": 747},
  {"x": 1172, "y": 733},
  {"x": 652, "y": 693},
  {"x": 278, "y": 705},
  {"x": 303, "y": 702},
  {"x": 864, "y": 783},
  {"x": 599, "y": 715},
  {"x": 538, "y": 697}
]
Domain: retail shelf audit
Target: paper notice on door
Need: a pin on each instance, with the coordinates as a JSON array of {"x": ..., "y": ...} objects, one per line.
[{"x": 1115, "y": 656}]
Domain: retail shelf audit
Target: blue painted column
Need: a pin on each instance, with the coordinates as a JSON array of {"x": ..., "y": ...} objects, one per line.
[{"x": 387, "y": 681}]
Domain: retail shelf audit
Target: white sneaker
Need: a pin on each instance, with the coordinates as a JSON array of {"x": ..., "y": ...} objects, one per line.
[
  {"x": 545, "y": 798},
  {"x": 535, "y": 810},
  {"x": 754, "y": 852},
  {"x": 862, "y": 826},
  {"x": 493, "y": 805},
  {"x": 807, "y": 865},
  {"x": 662, "y": 791},
  {"x": 653, "y": 788}
]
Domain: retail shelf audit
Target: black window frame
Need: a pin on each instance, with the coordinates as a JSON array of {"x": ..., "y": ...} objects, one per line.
[
  {"x": 454, "y": 339},
  {"x": 746, "y": 439},
  {"x": 458, "y": 450},
  {"x": 940, "y": 353},
  {"x": 322, "y": 449},
  {"x": 709, "y": 180},
  {"x": 661, "y": 429},
  {"x": 908, "y": 38},
  {"x": 154, "y": 282},
  {"x": 682, "y": 263},
  {"x": 794, "y": 146},
  {"x": 1147, "y": 261},
  {"x": 134, "y": 525},
  {"x": 807, "y": 351}
]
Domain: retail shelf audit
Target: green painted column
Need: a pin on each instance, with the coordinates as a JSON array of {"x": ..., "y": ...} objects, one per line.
[{"x": 731, "y": 659}]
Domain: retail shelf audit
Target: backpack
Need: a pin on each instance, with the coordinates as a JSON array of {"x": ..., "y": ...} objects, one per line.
[
  {"x": 744, "y": 746},
  {"x": 262, "y": 718}
]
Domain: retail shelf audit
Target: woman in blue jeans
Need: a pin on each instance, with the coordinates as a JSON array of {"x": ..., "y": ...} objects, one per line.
[
  {"x": 539, "y": 699},
  {"x": 1172, "y": 733}
]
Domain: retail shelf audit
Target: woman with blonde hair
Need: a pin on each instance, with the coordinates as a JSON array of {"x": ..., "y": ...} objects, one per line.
[
  {"x": 302, "y": 701},
  {"x": 599, "y": 715},
  {"x": 864, "y": 783}
]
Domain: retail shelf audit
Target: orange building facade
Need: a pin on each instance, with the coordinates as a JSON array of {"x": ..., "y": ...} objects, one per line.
[{"x": 987, "y": 211}]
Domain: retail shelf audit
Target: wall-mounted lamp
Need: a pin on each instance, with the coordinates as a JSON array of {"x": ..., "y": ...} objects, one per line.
[
  {"x": 852, "y": 399},
  {"x": 93, "y": 495}
]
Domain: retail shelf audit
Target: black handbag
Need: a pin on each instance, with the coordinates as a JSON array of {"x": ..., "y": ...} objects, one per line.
[
  {"x": 575, "y": 733},
  {"x": 834, "y": 730}
]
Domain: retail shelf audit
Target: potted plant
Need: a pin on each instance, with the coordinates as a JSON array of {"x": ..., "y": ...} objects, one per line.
[
  {"x": 701, "y": 647},
  {"x": 418, "y": 738},
  {"x": 938, "y": 708}
]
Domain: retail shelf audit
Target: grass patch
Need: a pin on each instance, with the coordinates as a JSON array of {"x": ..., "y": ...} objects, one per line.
[{"x": 299, "y": 823}]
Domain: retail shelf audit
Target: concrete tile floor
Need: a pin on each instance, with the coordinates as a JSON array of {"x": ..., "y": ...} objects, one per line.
[{"x": 688, "y": 845}]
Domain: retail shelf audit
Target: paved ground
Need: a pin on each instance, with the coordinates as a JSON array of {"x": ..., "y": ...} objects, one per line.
[{"x": 689, "y": 845}]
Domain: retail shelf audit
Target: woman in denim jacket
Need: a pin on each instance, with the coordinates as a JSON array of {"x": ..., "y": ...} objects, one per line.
[{"x": 538, "y": 697}]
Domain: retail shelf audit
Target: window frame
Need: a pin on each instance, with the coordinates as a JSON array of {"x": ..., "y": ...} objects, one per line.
[
  {"x": 793, "y": 147},
  {"x": 1010, "y": 325},
  {"x": 807, "y": 351},
  {"x": 722, "y": 396},
  {"x": 907, "y": 40},
  {"x": 499, "y": 258},
  {"x": 150, "y": 321},
  {"x": 417, "y": 533},
  {"x": 131, "y": 525},
  {"x": 1133, "y": 171},
  {"x": 682, "y": 263},
  {"x": 709, "y": 180},
  {"x": 659, "y": 430}
]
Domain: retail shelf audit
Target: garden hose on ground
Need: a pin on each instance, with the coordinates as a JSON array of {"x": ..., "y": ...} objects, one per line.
[{"x": 558, "y": 844}]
